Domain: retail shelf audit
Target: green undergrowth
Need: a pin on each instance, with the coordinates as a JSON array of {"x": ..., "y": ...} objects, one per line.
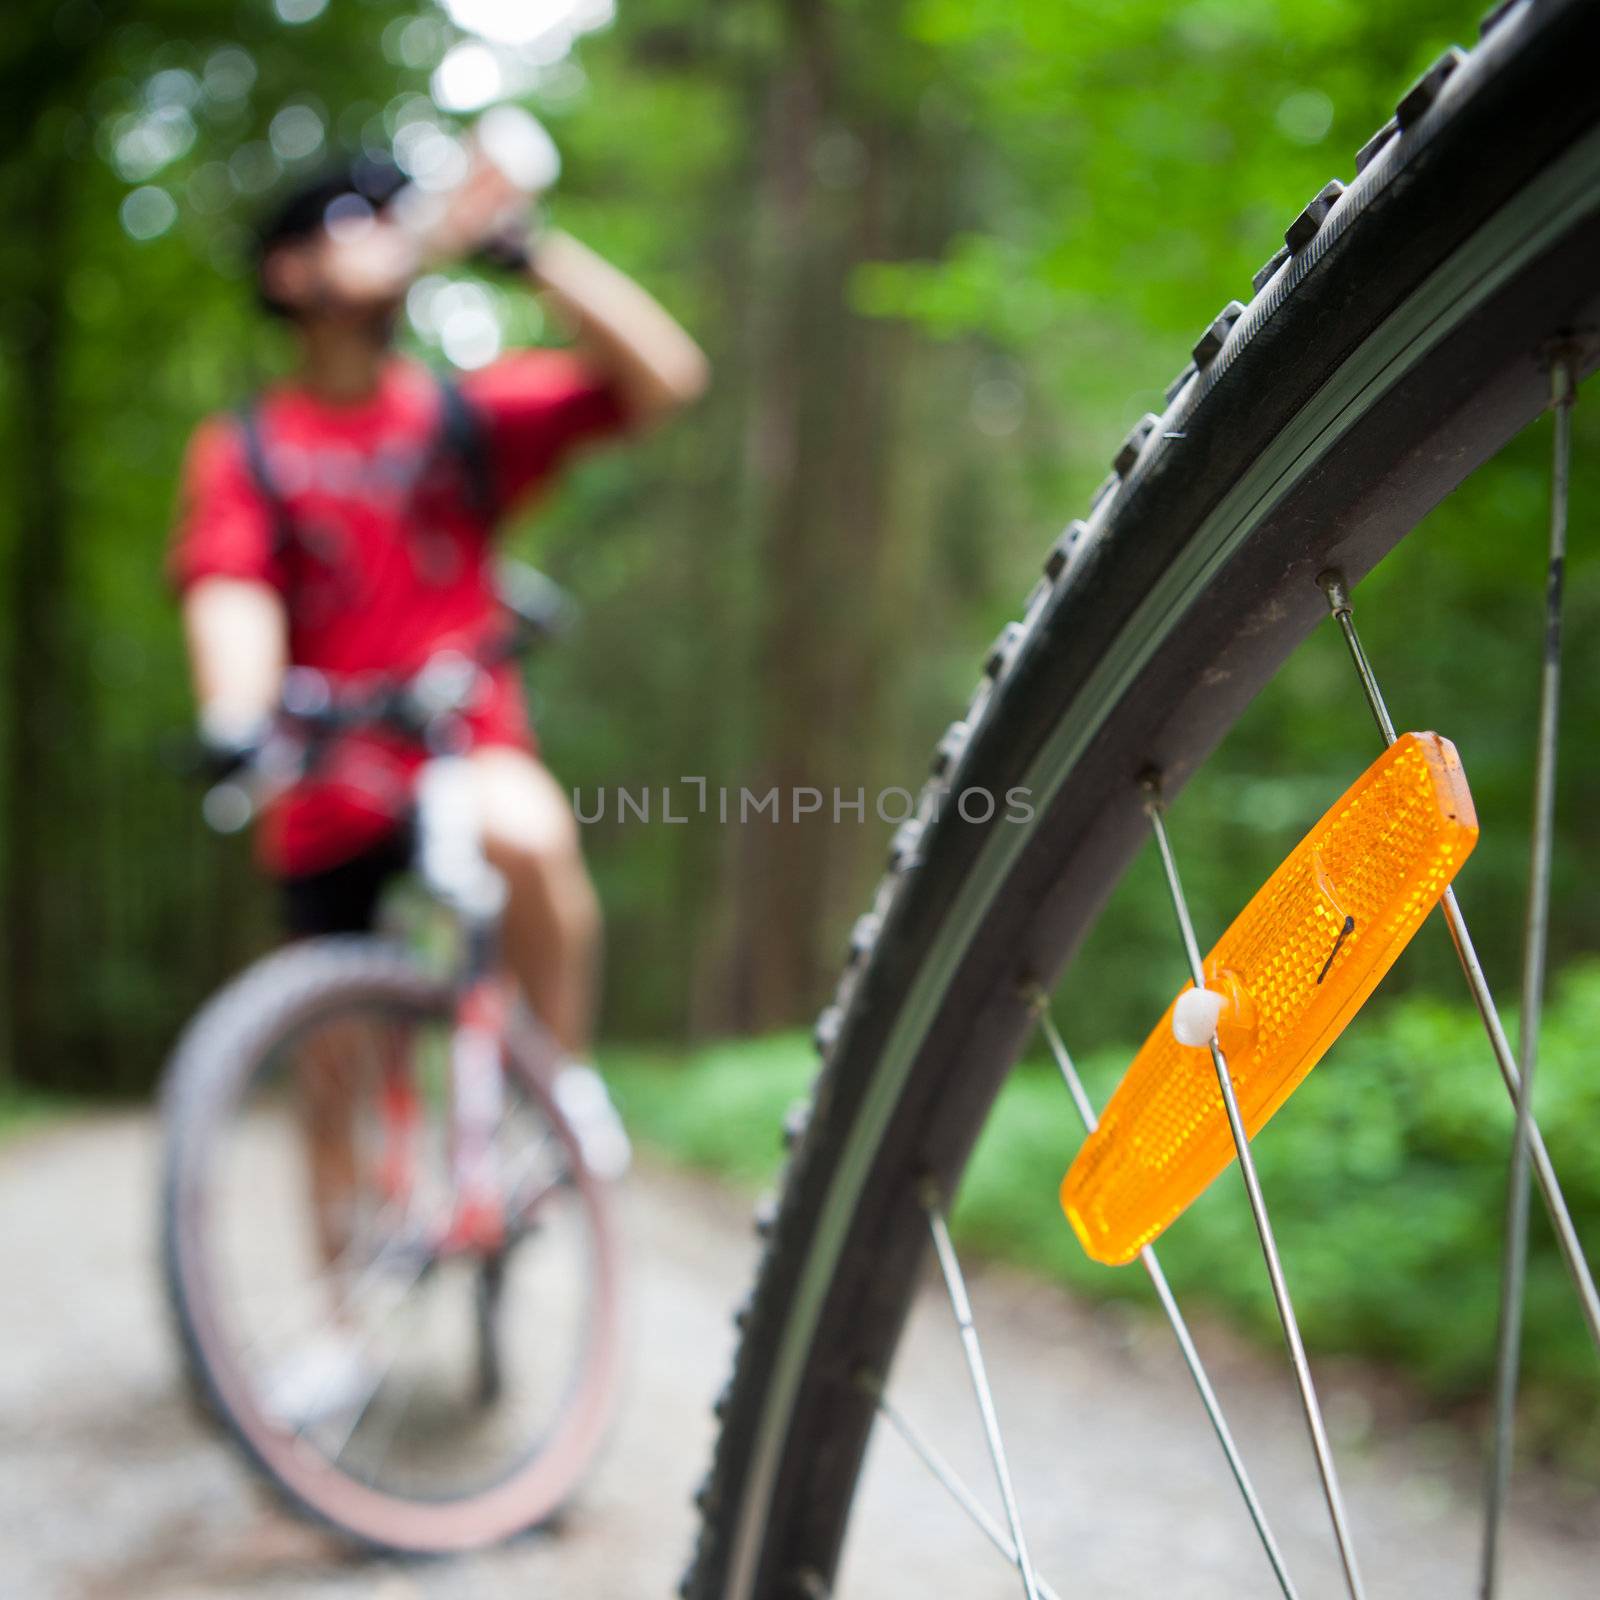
[
  {"x": 23, "y": 1109},
  {"x": 1386, "y": 1176}
]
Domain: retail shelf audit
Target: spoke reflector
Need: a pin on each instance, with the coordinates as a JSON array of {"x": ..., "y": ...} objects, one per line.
[{"x": 1295, "y": 967}]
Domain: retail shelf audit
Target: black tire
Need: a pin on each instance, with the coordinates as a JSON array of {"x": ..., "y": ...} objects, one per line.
[
  {"x": 215, "y": 1059},
  {"x": 486, "y": 1301},
  {"x": 1402, "y": 344}
]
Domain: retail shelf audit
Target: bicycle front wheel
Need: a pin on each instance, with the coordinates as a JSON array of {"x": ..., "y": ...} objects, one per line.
[
  {"x": 415, "y": 1390},
  {"x": 1404, "y": 337}
]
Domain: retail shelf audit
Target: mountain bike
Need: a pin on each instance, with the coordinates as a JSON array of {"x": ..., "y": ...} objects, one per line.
[
  {"x": 387, "y": 1228},
  {"x": 1414, "y": 321}
]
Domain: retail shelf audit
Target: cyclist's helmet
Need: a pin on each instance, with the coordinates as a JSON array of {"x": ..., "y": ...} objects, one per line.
[{"x": 364, "y": 182}]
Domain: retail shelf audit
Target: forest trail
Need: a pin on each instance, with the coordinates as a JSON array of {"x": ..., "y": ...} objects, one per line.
[{"x": 112, "y": 1489}]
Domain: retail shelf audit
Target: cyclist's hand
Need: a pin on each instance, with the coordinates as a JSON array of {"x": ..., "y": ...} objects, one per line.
[
  {"x": 484, "y": 209},
  {"x": 228, "y": 745}
]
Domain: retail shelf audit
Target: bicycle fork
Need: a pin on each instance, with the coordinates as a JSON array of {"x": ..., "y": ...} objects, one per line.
[{"x": 477, "y": 1096}]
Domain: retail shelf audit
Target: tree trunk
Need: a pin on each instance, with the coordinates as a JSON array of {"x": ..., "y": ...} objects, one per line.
[
  {"x": 819, "y": 454},
  {"x": 43, "y": 716}
]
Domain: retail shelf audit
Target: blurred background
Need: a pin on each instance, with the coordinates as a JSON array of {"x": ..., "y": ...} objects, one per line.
[{"x": 942, "y": 254}]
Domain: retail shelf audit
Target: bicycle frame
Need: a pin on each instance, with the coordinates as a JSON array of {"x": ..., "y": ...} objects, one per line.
[
  {"x": 463, "y": 1134},
  {"x": 455, "y": 872}
]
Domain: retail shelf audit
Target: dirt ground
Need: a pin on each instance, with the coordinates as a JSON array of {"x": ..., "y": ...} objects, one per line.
[{"x": 112, "y": 1489}]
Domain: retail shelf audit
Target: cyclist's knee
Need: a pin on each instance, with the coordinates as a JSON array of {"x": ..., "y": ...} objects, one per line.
[{"x": 527, "y": 823}]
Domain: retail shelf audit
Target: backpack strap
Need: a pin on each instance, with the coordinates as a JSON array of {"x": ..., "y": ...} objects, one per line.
[
  {"x": 462, "y": 435},
  {"x": 252, "y": 437}
]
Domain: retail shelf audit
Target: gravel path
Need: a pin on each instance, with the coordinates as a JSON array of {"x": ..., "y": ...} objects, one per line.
[{"x": 111, "y": 1490}]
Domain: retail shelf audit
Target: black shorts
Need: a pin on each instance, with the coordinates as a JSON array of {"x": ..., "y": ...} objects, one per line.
[{"x": 344, "y": 898}]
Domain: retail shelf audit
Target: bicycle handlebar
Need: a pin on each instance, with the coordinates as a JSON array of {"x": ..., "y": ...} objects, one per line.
[{"x": 421, "y": 708}]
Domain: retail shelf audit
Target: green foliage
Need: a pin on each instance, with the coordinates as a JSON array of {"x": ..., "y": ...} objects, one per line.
[
  {"x": 1385, "y": 1173},
  {"x": 721, "y": 1108},
  {"x": 23, "y": 1111}
]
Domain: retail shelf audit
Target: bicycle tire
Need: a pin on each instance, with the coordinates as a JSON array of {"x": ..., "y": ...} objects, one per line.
[
  {"x": 1394, "y": 346},
  {"x": 219, "y": 1052},
  {"x": 486, "y": 1327}
]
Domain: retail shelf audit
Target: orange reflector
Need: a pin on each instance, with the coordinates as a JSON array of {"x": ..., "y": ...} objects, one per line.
[{"x": 1294, "y": 968}]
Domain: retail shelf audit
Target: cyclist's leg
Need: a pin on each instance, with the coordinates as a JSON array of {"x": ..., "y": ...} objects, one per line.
[
  {"x": 552, "y": 923},
  {"x": 327, "y": 1093},
  {"x": 328, "y": 1066}
]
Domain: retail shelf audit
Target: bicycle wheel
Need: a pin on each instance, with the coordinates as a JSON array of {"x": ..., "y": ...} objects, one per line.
[
  {"x": 414, "y": 1396},
  {"x": 1401, "y": 339}
]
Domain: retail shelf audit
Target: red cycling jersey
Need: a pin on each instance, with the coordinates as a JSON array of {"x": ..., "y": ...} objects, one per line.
[{"x": 380, "y": 553}]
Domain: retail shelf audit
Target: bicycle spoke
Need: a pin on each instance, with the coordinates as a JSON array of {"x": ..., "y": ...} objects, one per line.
[
  {"x": 527, "y": 1162},
  {"x": 1169, "y": 1305},
  {"x": 373, "y": 1382},
  {"x": 363, "y": 1341},
  {"x": 399, "y": 1408},
  {"x": 1513, "y": 1272},
  {"x": 330, "y": 1274},
  {"x": 361, "y": 1291},
  {"x": 1258, "y": 1209},
  {"x": 950, "y": 1480},
  {"x": 956, "y": 1288},
  {"x": 1333, "y": 586}
]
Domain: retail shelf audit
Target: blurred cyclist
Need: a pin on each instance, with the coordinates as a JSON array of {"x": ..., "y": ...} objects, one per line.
[{"x": 344, "y": 522}]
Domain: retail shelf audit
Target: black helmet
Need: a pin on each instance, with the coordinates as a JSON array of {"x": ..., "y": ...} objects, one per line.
[{"x": 369, "y": 180}]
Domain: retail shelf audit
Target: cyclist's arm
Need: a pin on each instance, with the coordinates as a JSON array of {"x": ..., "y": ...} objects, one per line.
[
  {"x": 623, "y": 331},
  {"x": 237, "y": 631},
  {"x": 225, "y": 566}
]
